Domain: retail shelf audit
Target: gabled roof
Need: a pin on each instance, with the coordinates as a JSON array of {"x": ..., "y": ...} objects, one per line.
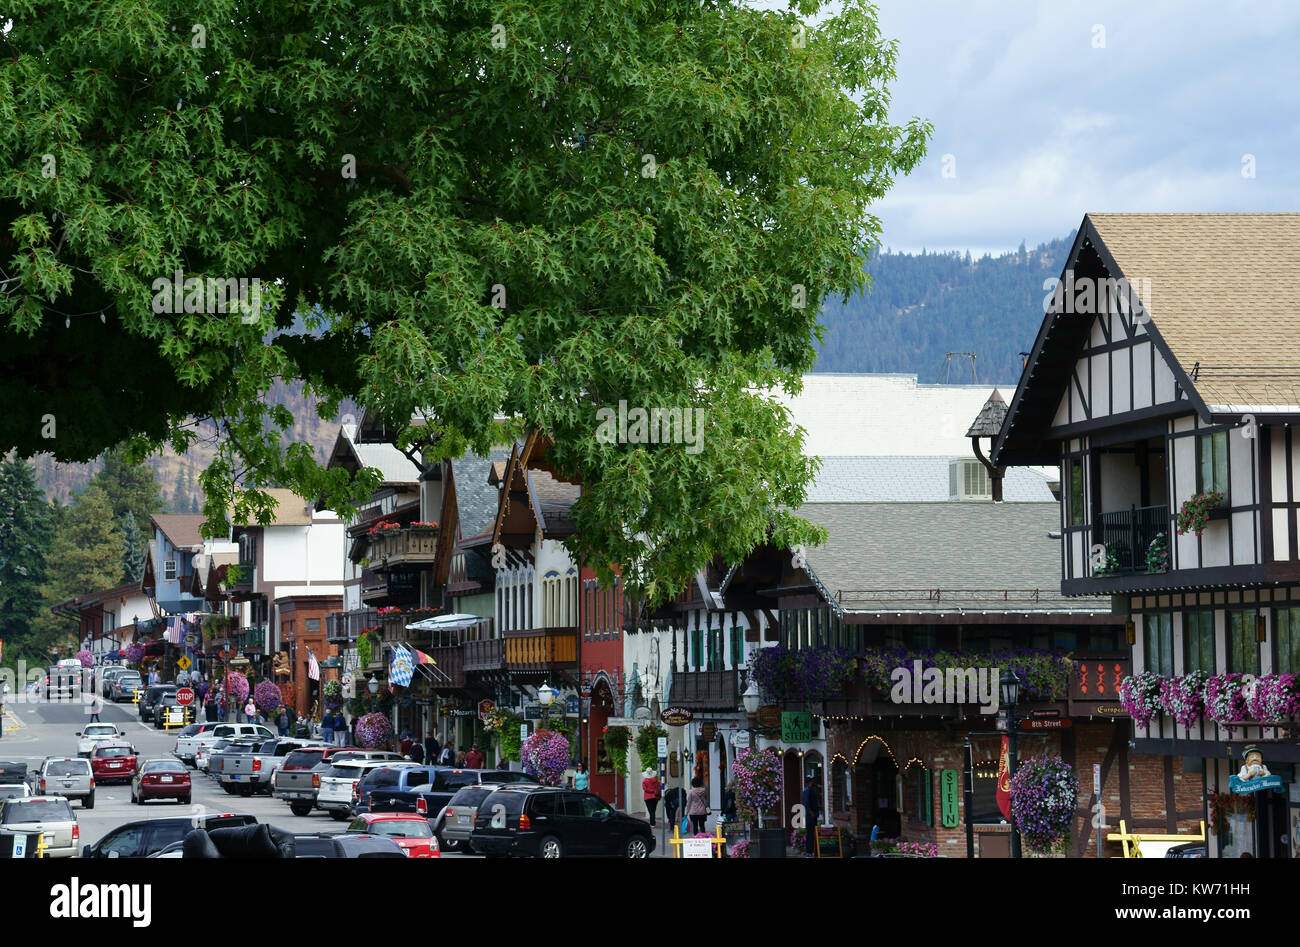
[
  {"x": 350, "y": 453},
  {"x": 476, "y": 497},
  {"x": 290, "y": 509},
  {"x": 181, "y": 529},
  {"x": 1218, "y": 309},
  {"x": 921, "y": 479}
]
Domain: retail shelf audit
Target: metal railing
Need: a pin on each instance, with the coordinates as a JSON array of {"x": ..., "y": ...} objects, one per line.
[{"x": 1127, "y": 535}]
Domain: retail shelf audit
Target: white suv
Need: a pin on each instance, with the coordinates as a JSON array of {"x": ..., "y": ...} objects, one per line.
[
  {"x": 186, "y": 747},
  {"x": 338, "y": 783}
]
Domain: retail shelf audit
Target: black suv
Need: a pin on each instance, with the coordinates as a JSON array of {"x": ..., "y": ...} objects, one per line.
[
  {"x": 150, "y": 698},
  {"x": 545, "y": 822}
]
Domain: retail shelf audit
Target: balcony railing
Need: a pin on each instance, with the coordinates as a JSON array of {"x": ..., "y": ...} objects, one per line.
[
  {"x": 541, "y": 649},
  {"x": 450, "y": 661},
  {"x": 410, "y": 545},
  {"x": 346, "y": 626},
  {"x": 389, "y": 586},
  {"x": 706, "y": 690},
  {"x": 1127, "y": 535},
  {"x": 485, "y": 655}
]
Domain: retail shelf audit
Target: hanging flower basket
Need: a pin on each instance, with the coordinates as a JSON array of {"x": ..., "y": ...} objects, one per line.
[
  {"x": 616, "y": 743},
  {"x": 1183, "y": 698},
  {"x": 133, "y": 654},
  {"x": 546, "y": 756},
  {"x": 86, "y": 658},
  {"x": 267, "y": 697},
  {"x": 1044, "y": 796},
  {"x": 1276, "y": 698},
  {"x": 1140, "y": 695},
  {"x": 236, "y": 686},
  {"x": 1226, "y": 699},
  {"x": 758, "y": 776},
  {"x": 374, "y": 730},
  {"x": 1195, "y": 512}
]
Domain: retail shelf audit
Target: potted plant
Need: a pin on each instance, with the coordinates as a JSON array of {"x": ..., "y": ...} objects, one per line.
[
  {"x": 1158, "y": 555},
  {"x": 1226, "y": 699},
  {"x": 1275, "y": 698},
  {"x": 1044, "y": 797},
  {"x": 1109, "y": 564},
  {"x": 1140, "y": 695},
  {"x": 758, "y": 775},
  {"x": 1183, "y": 698},
  {"x": 616, "y": 743},
  {"x": 1196, "y": 510}
]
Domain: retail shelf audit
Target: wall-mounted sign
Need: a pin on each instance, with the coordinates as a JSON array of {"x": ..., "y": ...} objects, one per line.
[
  {"x": 676, "y": 716},
  {"x": 485, "y": 707},
  {"x": 1253, "y": 775},
  {"x": 663, "y": 748},
  {"x": 622, "y": 722},
  {"x": 949, "y": 786},
  {"x": 572, "y": 706},
  {"x": 769, "y": 717},
  {"x": 796, "y": 727},
  {"x": 740, "y": 739},
  {"x": 708, "y": 731},
  {"x": 1112, "y": 710},
  {"x": 1047, "y": 723}
]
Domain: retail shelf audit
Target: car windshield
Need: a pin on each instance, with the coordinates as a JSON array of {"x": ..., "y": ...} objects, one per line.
[
  {"x": 110, "y": 751},
  {"x": 164, "y": 766},
  {"x": 401, "y": 828},
  {"x": 45, "y": 810},
  {"x": 447, "y": 779},
  {"x": 302, "y": 759},
  {"x": 469, "y": 797},
  {"x": 347, "y": 772},
  {"x": 10, "y": 792},
  {"x": 58, "y": 768},
  {"x": 101, "y": 728}
]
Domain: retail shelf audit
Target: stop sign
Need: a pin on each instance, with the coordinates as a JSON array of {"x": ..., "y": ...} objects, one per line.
[{"x": 185, "y": 696}]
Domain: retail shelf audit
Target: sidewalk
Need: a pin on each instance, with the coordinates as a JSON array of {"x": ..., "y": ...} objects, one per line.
[{"x": 11, "y": 722}]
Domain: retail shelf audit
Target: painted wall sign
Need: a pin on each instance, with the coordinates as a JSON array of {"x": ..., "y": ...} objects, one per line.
[
  {"x": 1111, "y": 710},
  {"x": 949, "y": 786},
  {"x": 796, "y": 727}
]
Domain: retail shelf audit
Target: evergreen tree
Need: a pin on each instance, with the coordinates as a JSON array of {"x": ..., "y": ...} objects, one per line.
[
  {"x": 86, "y": 556},
  {"x": 130, "y": 487},
  {"x": 25, "y": 537},
  {"x": 134, "y": 549}
]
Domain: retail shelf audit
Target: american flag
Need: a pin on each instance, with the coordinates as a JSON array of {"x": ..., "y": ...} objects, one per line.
[{"x": 313, "y": 669}]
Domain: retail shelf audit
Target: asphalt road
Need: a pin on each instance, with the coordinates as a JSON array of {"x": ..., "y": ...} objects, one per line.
[{"x": 49, "y": 729}]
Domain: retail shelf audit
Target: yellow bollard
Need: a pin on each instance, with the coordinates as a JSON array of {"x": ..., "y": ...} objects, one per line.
[{"x": 40, "y": 846}]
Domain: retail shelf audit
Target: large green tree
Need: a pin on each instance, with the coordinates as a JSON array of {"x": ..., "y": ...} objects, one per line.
[
  {"x": 85, "y": 556},
  {"x": 132, "y": 487},
  {"x": 25, "y": 536},
  {"x": 135, "y": 549},
  {"x": 535, "y": 211}
]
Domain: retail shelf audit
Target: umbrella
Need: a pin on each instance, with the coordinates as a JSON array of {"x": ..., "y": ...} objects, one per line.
[{"x": 445, "y": 623}]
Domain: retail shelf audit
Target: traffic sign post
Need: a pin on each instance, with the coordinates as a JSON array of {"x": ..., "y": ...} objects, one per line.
[
  {"x": 1046, "y": 723},
  {"x": 183, "y": 662},
  {"x": 185, "y": 696}
]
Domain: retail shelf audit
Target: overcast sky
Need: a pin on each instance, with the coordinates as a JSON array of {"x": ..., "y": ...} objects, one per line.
[{"x": 1043, "y": 125}]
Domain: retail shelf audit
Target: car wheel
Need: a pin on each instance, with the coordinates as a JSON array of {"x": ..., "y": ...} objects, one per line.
[
  {"x": 338, "y": 816},
  {"x": 135, "y": 800},
  {"x": 637, "y": 848},
  {"x": 184, "y": 800},
  {"x": 464, "y": 847},
  {"x": 550, "y": 847},
  {"x": 230, "y": 790},
  {"x": 88, "y": 802},
  {"x": 300, "y": 808}
]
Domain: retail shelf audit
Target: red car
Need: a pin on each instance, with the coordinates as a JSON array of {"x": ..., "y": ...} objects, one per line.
[
  {"x": 161, "y": 779},
  {"x": 109, "y": 761},
  {"x": 412, "y": 832}
]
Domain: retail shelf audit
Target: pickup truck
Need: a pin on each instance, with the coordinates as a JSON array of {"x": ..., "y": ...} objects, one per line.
[
  {"x": 297, "y": 781},
  {"x": 244, "y": 746},
  {"x": 253, "y": 771},
  {"x": 430, "y": 799},
  {"x": 187, "y": 746},
  {"x": 399, "y": 776}
]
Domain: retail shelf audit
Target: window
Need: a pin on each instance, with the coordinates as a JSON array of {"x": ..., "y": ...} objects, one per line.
[
  {"x": 1158, "y": 641},
  {"x": 169, "y": 570},
  {"x": 1198, "y": 642},
  {"x": 697, "y": 646},
  {"x": 1286, "y": 641},
  {"x": 984, "y": 798},
  {"x": 1243, "y": 649},
  {"x": 125, "y": 843},
  {"x": 737, "y": 646},
  {"x": 1074, "y": 476},
  {"x": 1212, "y": 462},
  {"x": 311, "y": 624}
]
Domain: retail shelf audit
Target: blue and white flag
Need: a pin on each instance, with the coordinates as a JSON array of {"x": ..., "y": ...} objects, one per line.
[{"x": 401, "y": 667}]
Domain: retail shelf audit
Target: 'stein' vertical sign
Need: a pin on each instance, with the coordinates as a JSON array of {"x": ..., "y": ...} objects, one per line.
[{"x": 948, "y": 786}]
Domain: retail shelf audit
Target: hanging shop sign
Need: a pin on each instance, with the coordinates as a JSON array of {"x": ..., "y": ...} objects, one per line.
[
  {"x": 769, "y": 717},
  {"x": 949, "y": 787},
  {"x": 708, "y": 731},
  {"x": 1253, "y": 775},
  {"x": 572, "y": 706},
  {"x": 675, "y": 717},
  {"x": 796, "y": 727},
  {"x": 485, "y": 707}
]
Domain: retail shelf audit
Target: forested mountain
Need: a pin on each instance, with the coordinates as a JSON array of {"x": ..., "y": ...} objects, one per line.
[{"x": 922, "y": 306}]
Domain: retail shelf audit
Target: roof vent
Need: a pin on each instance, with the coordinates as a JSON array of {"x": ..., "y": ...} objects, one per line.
[{"x": 968, "y": 480}]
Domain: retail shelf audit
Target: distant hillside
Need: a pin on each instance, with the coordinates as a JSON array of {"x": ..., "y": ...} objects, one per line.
[
  {"x": 178, "y": 476},
  {"x": 922, "y": 306}
]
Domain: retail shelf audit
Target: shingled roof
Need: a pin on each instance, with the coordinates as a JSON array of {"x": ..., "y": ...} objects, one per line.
[{"x": 991, "y": 416}]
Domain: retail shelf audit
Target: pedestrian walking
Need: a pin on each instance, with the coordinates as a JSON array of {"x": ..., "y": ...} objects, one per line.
[
  {"x": 651, "y": 790},
  {"x": 96, "y": 705},
  {"x": 417, "y": 753},
  {"x": 431, "y": 747},
  {"x": 674, "y": 799},
  {"x": 581, "y": 780},
  {"x": 282, "y": 722},
  {"x": 250, "y": 711},
  {"x": 405, "y": 747},
  {"x": 729, "y": 802},
  {"x": 448, "y": 755},
  {"x": 811, "y": 813},
  {"x": 697, "y": 805},
  {"x": 340, "y": 729},
  {"x": 475, "y": 759},
  {"x": 327, "y": 728}
]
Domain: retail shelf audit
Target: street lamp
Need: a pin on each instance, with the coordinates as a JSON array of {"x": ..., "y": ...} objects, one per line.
[
  {"x": 751, "y": 698},
  {"x": 372, "y": 685},
  {"x": 1009, "y": 688},
  {"x": 545, "y": 697}
]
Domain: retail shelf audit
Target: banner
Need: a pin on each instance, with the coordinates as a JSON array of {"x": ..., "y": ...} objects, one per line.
[{"x": 1004, "y": 781}]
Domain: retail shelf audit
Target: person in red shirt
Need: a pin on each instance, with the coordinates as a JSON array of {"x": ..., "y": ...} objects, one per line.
[
  {"x": 474, "y": 759},
  {"x": 651, "y": 790}
]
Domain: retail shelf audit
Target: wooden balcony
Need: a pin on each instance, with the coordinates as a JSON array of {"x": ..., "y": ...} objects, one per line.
[
  {"x": 486, "y": 655},
  {"x": 389, "y": 586},
  {"x": 342, "y": 627},
  {"x": 706, "y": 690},
  {"x": 541, "y": 649},
  {"x": 448, "y": 661},
  {"x": 408, "y": 546}
]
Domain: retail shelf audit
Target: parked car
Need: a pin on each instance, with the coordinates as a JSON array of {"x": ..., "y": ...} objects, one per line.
[
  {"x": 412, "y": 832},
  {"x": 50, "y": 816},
  {"x": 398, "y": 776},
  {"x": 148, "y": 837},
  {"x": 167, "y": 706},
  {"x": 338, "y": 783},
  {"x": 1187, "y": 850},
  {"x": 347, "y": 845},
  {"x": 430, "y": 800},
  {"x": 217, "y": 761},
  {"x": 297, "y": 780},
  {"x": 187, "y": 747},
  {"x": 455, "y": 824},
  {"x": 14, "y": 791},
  {"x": 161, "y": 779},
  {"x": 12, "y": 772},
  {"x": 95, "y": 734},
  {"x": 203, "y": 755},
  {"x": 248, "y": 773},
  {"x": 112, "y": 761},
  {"x": 546, "y": 822},
  {"x": 63, "y": 683},
  {"x": 66, "y": 776},
  {"x": 152, "y": 694},
  {"x": 124, "y": 686},
  {"x": 108, "y": 675}
]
